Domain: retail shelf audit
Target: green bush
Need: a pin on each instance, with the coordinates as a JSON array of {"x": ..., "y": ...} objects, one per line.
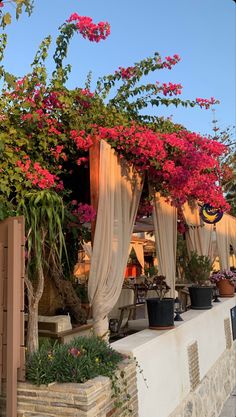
[{"x": 81, "y": 359}]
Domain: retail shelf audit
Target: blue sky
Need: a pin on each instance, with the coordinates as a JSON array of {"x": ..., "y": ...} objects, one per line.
[{"x": 202, "y": 32}]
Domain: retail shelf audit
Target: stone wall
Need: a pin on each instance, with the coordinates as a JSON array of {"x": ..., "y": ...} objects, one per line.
[
  {"x": 91, "y": 399},
  {"x": 208, "y": 398}
]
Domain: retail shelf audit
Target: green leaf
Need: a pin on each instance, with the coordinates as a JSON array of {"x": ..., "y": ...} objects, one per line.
[{"x": 6, "y": 19}]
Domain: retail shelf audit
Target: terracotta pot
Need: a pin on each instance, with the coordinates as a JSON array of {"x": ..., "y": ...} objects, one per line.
[{"x": 226, "y": 288}]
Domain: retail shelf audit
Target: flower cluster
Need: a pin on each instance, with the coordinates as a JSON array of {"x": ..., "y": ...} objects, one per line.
[
  {"x": 182, "y": 165},
  {"x": 83, "y": 212},
  {"x": 222, "y": 275},
  {"x": 170, "y": 88},
  {"x": 89, "y": 30},
  {"x": 74, "y": 352},
  {"x": 84, "y": 99},
  {"x": 204, "y": 102},
  {"x": 170, "y": 61},
  {"x": 126, "y": 73},
  {"x": 38, "y": 176},
  {"x": 57, "y": 152},
  {"x": 82, "y": 141}
]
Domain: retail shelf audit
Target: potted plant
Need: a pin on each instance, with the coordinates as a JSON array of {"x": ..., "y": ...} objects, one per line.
[
  {"x": 161, "y": 308},
  {"x": 197, "y": 271},
  {"x": 225, "y": 281}
]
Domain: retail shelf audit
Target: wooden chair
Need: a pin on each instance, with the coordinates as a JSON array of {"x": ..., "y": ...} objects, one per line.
[{"x": 126, "y": 314}]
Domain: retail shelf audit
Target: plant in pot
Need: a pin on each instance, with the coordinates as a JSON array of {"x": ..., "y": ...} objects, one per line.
[
  {"x": 161, "y": 308},
  {"x": 225, "y": 281},
  {"x": 197, "y": 271}
]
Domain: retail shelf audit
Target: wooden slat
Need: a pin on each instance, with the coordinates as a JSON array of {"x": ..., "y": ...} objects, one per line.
[
  {"x": 4, "y": 361},
  {"x": 1, "y": 312},
  {"x": 13, "y": 331},
  {"x": 4, "y": 319},
  {"x": 14, "y": 294},
  {"x": 4, "y": 293},
  {"x": 11, "y": 308},
  {"x": 0, "y": 364}
]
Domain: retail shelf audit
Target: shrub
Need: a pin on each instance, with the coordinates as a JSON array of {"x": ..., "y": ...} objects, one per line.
[
  {"x": 198, "y": 268},
  {"x": 78, "y": 361}
]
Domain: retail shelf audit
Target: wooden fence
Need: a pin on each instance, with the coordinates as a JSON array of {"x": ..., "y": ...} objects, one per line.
[{"x": 12, "y": 261}]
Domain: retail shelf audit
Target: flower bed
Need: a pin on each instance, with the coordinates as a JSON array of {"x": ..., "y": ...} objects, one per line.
[
  {"x": 94, "y": 398},
  {"x": 85, "y": 377}
]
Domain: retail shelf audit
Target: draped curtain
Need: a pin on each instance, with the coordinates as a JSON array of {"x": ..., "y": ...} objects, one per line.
[
  {"x": 232, "y": 231},
  {"x": 120, "y": 188},
  {"x": 199, "y": 236},
  {"x": 138, "y": 249},
  {"x": 223, "y": 241},
  {"x": 165, "y": 227}
]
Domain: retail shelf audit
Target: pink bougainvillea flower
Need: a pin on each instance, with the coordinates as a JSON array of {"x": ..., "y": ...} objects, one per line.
[{"x": 88, "y": 29}]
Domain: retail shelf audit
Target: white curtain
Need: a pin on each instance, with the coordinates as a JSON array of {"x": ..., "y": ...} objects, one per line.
[
  {"x": 223, "y": 241},
  {"x": 120, "y": 188},
  {"x": 165, "y": 226},
  {"x": 232, "y": 231},
  {"x": 138, "y": 249},
  {"x": 199, "y": 236}
]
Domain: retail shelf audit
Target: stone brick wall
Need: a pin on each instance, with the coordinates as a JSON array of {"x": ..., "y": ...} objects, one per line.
[
  {"x": 208, "y": 398},
  {"x": 91, "y": 399}
]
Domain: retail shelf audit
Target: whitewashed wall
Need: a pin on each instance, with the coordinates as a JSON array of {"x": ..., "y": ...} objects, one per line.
[{"x": 163, "y": 357}]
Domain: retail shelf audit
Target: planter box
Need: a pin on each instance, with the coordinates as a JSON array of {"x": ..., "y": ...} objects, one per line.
[{"x": 91, "y": 399}]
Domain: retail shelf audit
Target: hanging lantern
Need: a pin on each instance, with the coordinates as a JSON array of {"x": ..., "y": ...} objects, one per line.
[{"x": 210, "y": 214}]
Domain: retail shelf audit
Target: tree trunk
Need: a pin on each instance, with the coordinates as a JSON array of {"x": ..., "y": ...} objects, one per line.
[
  {"x": 34, "y": 296},
  {"x": 32, "y": 328},
  {"x": 70, "y": 298}
]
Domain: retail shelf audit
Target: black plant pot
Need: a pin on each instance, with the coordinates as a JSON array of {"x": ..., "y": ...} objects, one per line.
[
  {"x": 201, "y": 298},
  {"x": 160, "y": 313}
]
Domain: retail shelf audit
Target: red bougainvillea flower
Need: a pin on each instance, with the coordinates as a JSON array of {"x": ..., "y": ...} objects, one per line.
[
  {"x": 38, "y": 176},
  {"x": 89, "y": 30},
  {"x": 82, "y": 141},
  {"x": 170, "y": 88},
  {"x": 1, "y": 4},
  {"x": 126, "y": 73},
  {"x": 204, "y": 102},
  {"x": 181, "y": 165},
  {"x": 170, "y": 61}
]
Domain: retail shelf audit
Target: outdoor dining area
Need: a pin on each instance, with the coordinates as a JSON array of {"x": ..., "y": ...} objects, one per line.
[{"x": 117, "y": 289}]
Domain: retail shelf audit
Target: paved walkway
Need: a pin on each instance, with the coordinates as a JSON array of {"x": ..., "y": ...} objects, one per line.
[{"x": 229, "y": 409}]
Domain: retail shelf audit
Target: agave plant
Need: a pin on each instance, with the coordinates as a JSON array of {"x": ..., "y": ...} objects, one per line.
[{"x": 44, "y": 216}]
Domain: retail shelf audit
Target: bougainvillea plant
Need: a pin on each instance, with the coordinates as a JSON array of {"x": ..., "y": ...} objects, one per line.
[
  {"x": 47, "y": 130},
  {"x": 18, "y": 5}
]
